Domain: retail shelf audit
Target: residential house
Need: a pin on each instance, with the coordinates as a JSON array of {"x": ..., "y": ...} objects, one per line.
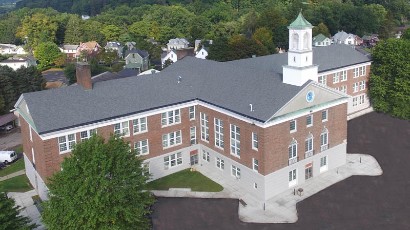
[
  {"x": 264, "y": 125},
  {"x": 115, "y": 46},
  {"x": 18, "y": 62},
  {"x": 342, "y": 37},
  {"x": 70, "y": 51},
  {"x": 370, "y": 40},
  {"x": 130, "y": 45},
  {"x": 321, "y": 40},
  {"x": 91, "y": 48},
  {"x": 177, "y": 43},
  {"x": 10, "y": 49},
  {"x": 202, "y": 53},
  {"x": 137, "y": 59},
  {"x": 176, "y": 55}
]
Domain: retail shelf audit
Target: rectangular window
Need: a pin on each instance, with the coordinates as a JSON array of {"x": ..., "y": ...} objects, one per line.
[
  {"x": 362, "y": 70},
  {"x": 141, "y": 147},
  {"x": 322, "y": 80},
  {"x": 170, "y": 117},
  {"x": 172, "y": 160},
  {"x": 309, "y": 120},
  {"x": 292, "y": 177},
  {"x": 293, "y": 152},
  {"x": 193, "y": 135},
  {"x": 336, "y": 77},
  {"x": 220, "y": 163},
  {"x": 192, "y": 112},
  {"x": 84, "y": 135},
  {"x": 204, "y": 127},
  {"x": 255, "y": 143},
  {"x": 66, "y": 143},
  {"x": 323, "y": 164},
  {"x": 235, "y": 140},
  {"x": 140, "y": 125},
  {"x": 292, "y": 126},
  {"x": 343, "y": 88},
  {"x": 205, "y": 155},
  {"x": 219, "y": 133},
  {"x": 361, "y": 99},
  {"x": 171, "y": 139},
  {"x": 356, "y": 72},
  {"x": 122, "y": 129},
  {"x": 324, "y": 115},
  {"x": 355, "y": 87},
  {"x": 362, "y": 85},
  {"x": 355, "y": 101},
  {"x": 309, "y": 147},
  {"x": 343, "y": 75},
  {"x": 255, "y": 165},
  {"x": 236, "y": 172},
  {"x": 324, "y": 141}
]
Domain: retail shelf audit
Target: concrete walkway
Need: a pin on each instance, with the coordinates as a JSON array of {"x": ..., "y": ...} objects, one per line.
[
  {"x": 282, "y": 208},
  {"x": 18, "y": 173},
  {"x": 25, "y": 201}
]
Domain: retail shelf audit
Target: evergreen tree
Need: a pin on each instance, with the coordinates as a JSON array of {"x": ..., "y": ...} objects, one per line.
[
  {"x": 10, "y": 217},
  {"x": 73, "y": 32}
]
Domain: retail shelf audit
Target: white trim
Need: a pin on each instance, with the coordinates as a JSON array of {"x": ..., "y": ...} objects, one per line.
[{"x": 345, "y": 68}]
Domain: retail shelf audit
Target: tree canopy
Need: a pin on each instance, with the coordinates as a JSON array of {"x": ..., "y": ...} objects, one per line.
[
  {"x": 47, "y": 54},
  {"x": 10, "y": 217},
  {"x": 99, "y": 187}
]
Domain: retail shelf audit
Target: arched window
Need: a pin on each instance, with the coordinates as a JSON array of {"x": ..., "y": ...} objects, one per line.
[
  {"x": 295, "y": 41},
  {"x": 324, "y": 139},
  {"x": 293, "y": 152},
  {"x": 306, "y": 41},
  {"x": 309, "y": 145}
]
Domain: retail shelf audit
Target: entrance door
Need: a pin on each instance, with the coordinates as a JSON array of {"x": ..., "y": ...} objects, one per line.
[
  {"x": 308, "y": 171},
  {"x": 194, "y": 159}
]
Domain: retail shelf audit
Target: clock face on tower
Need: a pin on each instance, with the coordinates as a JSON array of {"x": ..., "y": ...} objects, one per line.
[{"x": 310, "y": 96}]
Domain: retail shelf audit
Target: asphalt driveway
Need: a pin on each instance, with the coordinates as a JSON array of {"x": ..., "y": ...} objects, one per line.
[{"x": 359, "y": 202}]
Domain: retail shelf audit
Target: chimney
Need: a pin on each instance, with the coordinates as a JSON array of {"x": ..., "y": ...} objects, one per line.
[{"x": 83, "y": 74}]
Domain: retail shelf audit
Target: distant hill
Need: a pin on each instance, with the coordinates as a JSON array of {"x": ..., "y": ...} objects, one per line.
[{"x": 8, "y": 1}]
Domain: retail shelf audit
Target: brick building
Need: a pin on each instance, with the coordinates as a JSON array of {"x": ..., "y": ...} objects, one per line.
[{"x": 264, "y": 123}]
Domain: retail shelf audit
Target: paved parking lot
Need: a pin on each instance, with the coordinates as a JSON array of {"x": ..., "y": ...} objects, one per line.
[
  {"x": 358, "y": 202},
  {"x": 10, "y": 139}
]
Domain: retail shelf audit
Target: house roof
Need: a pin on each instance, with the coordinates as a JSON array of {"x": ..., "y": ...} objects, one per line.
[
  {"x": 300, "y": 23},
  {"x": 70, "y": 47},
  {"x": 341, "y": 36},
  {"x": 177, "y": 41},
  {"x": 229, "y": 85},
  {"x": 90, "y": 44},
  {"x": 319, "y": 38},
  {"x": 142, "y": 53},
  {"x": 6, "y": 118}
]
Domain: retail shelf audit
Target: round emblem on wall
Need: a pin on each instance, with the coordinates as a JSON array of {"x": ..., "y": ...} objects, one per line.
[{"x": 310, "y": 96}]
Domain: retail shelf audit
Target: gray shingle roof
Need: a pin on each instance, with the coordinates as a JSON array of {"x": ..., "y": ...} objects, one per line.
[
  {"x": 142, "y": 53},
  {"x": 231, "y": 85}
]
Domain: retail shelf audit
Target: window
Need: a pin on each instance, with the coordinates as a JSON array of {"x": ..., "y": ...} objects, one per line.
[
  {"x": 292, "y": 125},
  {"x": 191, "y": 112},
  {"x": 343, "y": 88},
  {"x": 255, "y": 144},
  {"x": 322, "y": 79},
  {"x": 362, "y": 70},
  {"x": 356, "y": 72},
  {"x": 31, "y": 134},
  {"x": 171, "y": 139},
  {"x": 170, "y": 117},
  {"x": 355, "y": 87},
  {"x": 355, "y": 101},
  {"x": 66, "y": 143},
  {"x": 324, "y": 140},
  {"x": 324, "y": 115},
  {"x": 84, "y": 135},
  {"x": 220, "y": 163},
  {"x": 236, "y": 172},
  {"x": 219, "y": 133},
  {"x": 336, "y": 77},
  {"x": 255, "y": 185},
  {"x": 204, "y": 127},
  {"x": 343, "y": 75},
  {"x": 140, "y": 125},
  {"x": 193, "y": 135},
  {"x": 255, "y": 165},
  {"x": 145, "y": 167},
  {"x": 173, "y": 160},
  {"x": 235, "y": 140},
  {"x": 309, "y": 146},
  {"x": 122, "y": 129},
  {"x": 293, "y": 149},
  {"x": 361, "y": 99},
  {"x": 141, "y": 147},
  {"x": 323, "y": 164},
  {"x": 309, "y": 120},
  {"x": 362, "y": 85},
  {"x": 205, "y": 155},
  {"x": 292, "y": 177}
]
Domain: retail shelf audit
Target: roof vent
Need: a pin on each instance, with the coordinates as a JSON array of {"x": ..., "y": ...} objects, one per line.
[
  {"x": 179, "y": 79},
  {"x": 251, "y": 106}
]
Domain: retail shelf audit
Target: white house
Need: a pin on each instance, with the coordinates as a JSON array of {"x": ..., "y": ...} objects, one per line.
[
  {"x": 202, "y": 53},
  {"x": 11, "y": 49},
  {"x": 171, "y": 55},
  {"x": 342, "y": 37},
  {"x": 321, "y": 40},
  {"x": 18, "y": 63},
  {"x": 177, "y": 43},
  {"x": 69, "y": 50}
]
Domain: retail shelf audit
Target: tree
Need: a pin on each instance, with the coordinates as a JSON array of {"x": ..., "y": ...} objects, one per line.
[
  {"x": 100, "y": 187},
  {"x": 10, "y": 217},
  {"x": 111, "y": 32},
  {"x": 406, "y": 34},
  {"x": 47, "y": 54},
  {"x": 390, "y": 79},
  {"x": 7, "y": 87},
  {"x": 264, "y": 37},
  {"x": 321, "y": 28},
  {"x": 29, "y": 79},
  {"x": 167, "y": 63},
  {"x": 73, "y": 32},
  {"x": 69, "y": 72}
]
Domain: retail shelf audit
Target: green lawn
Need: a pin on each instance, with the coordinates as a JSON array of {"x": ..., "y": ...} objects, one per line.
[
  {"x": 15, "y": 184},
  {"x": 185, "y": 179},
  {"x": 13, "y": 167}
]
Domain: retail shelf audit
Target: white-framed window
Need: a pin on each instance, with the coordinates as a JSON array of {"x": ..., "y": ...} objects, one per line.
[
  {"x": 236, "y": 171},
  {"x": 324, "y": 115},
  {"x": 84, "y": 135},
  {"x": 205, "y": 156},
  {"x": 362, "y": 85},
  {"x": 356, "y": 72},
  {"x": 361, "y": 99},
  {"x": 204, "y": 127},
  {"x": 343, "y": 75},
  {"x": 146, "y": 168},
  {"x": 255, "y": 165},
  {"x": 66, "y": 143},
  {"x": 324, "y": 140},
  {"x": 171, "y": 139},
  {"x": 356, "y": 87},
  {"x": 235, "y": 140},
  {"x": 122, "y": 129},
  {"x": 193, "y": 135},
  {"x": 343, "y": 88},
  {"x": 219, "y": 133},
  {"x": 293, "y": 152},
  {"x": 292, "y": 126},
  {"x": 293, "y": 177},
  {"x": 309, "y": 120},
  {"x": 255, "y": 142},
  {"x": 192, "y": 112},
  {"x": 141, "y": 147},
  {"x": 323, "y": 164},
  {"x": 140, "y": 125},
  {"x": 170, "y": 117},
  {"x": 336, "y": 77},
  {"x": 31, "y": 134},
  {"x": 173, "y": 160},
  {"x": 309, "y": 146},
  {"x": 220, "y": 163},
  {"x": 322, "y": 79},
  {"x": 355, "y": 101},
  {"x": 362, "y": 70}
]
